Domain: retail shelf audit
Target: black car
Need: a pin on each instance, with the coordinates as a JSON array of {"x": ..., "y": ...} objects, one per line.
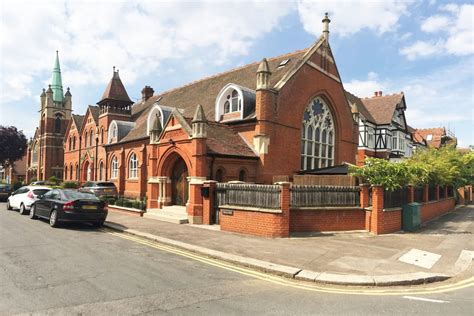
[
  {"x": 60, "y": 205},
  {"x": 5, "y": 191},
  {"x": 100, "y": 189}
]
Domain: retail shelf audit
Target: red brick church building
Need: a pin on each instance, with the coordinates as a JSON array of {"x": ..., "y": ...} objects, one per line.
[{"x": 255, "y": 123}]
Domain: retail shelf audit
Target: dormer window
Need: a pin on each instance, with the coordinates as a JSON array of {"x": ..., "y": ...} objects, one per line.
[{"x": 234, "y": 102}]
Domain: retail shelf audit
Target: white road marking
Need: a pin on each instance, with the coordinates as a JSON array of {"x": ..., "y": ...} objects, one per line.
[
  {"x": 424, "y": 299},
  {"x": 420, "y": 258}
]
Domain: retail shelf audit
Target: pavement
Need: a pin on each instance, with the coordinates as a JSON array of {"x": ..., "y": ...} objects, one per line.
[{"x": 441, "y": 249}]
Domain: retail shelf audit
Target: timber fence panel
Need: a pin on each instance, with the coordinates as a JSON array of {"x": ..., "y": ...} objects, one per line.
[
  {"x": 395, "y": 198},
  {"x": 324, "y": 196},
  {"x": 251, "y": 195}
]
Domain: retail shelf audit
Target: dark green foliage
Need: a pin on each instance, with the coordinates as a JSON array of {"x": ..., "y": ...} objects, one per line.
[
  {"x": 17, "y": 185},
  {"x": 12, "y": 143},
  {"x": 70, "y": 185}
]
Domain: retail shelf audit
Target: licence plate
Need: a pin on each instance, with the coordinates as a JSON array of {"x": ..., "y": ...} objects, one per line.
[
  {"x": 108, "y": 190},
  {"x": 89, "y": 207}
]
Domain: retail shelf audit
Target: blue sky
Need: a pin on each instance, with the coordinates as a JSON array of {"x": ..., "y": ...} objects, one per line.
[{"x": 423, "y": 48}]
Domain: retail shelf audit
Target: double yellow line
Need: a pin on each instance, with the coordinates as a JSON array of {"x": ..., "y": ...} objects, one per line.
[{"x": 374, "y": 291}]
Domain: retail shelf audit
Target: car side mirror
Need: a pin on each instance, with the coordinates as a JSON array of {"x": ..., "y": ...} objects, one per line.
[
  {"x": 12, "y": 194},
  {"x": 41, "y": 196}
]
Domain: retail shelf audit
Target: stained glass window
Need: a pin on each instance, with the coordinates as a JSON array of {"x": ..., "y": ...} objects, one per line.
[{"x": 317, "y": 136}]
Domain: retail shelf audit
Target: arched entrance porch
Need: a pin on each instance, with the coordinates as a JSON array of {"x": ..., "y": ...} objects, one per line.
[
  {"x": 179, "y": 183},
  {"x": 171, "y": 187},
  {"x": 87, "y": 171}
]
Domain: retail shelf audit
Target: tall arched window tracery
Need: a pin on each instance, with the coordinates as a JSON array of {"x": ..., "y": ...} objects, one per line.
[{"x": 317, "y": 136}]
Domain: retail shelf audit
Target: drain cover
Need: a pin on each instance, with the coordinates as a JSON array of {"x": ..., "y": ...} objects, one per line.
[{"x": 420, "y": 258}]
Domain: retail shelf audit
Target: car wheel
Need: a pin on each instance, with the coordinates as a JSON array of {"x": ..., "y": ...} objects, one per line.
[
  {"x": 53, "y": 218},
  {"x": 9, "y": 207},
  {"x": 98, "y": 224},
  {"x": 22, "y": 209},
  {"x": 33, "y": 211}
]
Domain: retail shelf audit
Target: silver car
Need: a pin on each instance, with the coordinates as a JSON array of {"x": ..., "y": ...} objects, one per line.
[{"x": 100, "y": 189}]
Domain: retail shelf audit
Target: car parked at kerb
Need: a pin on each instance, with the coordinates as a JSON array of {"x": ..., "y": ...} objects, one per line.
[{"x": 67, "y": 205}]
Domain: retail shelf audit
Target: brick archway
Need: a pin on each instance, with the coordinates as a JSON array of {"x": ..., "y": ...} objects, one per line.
[
  {"x": 171, "y": 186},
  {"x": 87, "y": 173}
]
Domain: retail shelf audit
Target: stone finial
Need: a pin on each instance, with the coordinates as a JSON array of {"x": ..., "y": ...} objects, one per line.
[
  {"x": 43, "y": 94},
  {"x": 263, "y": 75},
  {"x": 199, "y": 115},
  {"x": 68, "y": 92},
  {"x": 326, "y": 22},
  {"x": 199, "y": 123},
  {"x": 49, "y": 89}
]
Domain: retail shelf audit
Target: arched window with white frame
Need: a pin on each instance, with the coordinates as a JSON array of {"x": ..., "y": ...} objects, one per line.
[
  {"x": 317, "y": 136},
  {"x": 133, "y": 167},
  {"x": 114, "y": 168},
  {"x": 101, "y": 171}
]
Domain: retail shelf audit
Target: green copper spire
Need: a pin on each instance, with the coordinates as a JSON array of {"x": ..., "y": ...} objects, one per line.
[{"x": 57, "y": 83}]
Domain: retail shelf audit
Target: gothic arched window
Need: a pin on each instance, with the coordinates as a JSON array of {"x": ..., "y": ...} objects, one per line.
[
  {"x": 70, "y": 172},
  {"x": 101, "y": 171},
  {"x": 91, "y": 138},
  {"x": 114, "y": 168},
  {"x": 57, "y": 124},
  {"x": 133, "y": 167},
  {"x": 317, "y": 136},
  {"x": 242, "y": 175}
]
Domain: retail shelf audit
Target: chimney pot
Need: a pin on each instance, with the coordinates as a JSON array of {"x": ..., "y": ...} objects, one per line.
[
  {"x": 376, "y": 93},
  {"x": 147, "y": 92},
  {"x": 380, "y": 93}
]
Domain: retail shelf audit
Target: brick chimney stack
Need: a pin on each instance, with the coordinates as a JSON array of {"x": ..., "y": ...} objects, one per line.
[{"x": 147, "y": 92}]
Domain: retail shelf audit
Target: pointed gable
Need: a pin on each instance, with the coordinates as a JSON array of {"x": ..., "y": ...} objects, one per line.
[
  {"x": 382, "y": 108},
  {"x": 115, "y": 91}
]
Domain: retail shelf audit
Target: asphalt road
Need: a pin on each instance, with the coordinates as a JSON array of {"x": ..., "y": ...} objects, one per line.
[{"x": 81, "y": 270}]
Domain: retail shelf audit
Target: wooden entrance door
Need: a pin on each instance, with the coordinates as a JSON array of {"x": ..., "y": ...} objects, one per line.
[{"x": 179, "y": 183}]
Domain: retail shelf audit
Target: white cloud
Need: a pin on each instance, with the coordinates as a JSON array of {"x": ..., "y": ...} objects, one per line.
[
  {"x": 422, "y": 49},
  {"x": 352, "y": 16},
  {"x": 134, "y": 36},
  {"x": 367, "y": 87},
  {"x": 435, "y": 23},
  {"x": 454, "y": 33}
]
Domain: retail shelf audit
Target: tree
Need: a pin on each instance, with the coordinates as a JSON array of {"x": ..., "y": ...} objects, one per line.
[
  {"x": 382, "y": 172},
  {"x": 12, "y": 144}
]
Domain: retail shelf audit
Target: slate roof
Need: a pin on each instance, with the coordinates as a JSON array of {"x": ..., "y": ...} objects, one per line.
[
  {"x": 205, "y": 91},
  {"x": 95, "y": 111},
  {"x": 115, "y": 90},
  {"x": 360, "y": 106},
  {"x": 437, "y": 135},
  {"x": 417, "y": 137},
  {"x": 381, "y": 108},
  {"x": 223, "y": 140},
  {"x": 78, "y": 120}
]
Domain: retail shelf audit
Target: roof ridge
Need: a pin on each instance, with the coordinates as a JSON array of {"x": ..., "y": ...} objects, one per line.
[{"x": 229, "y": 71}]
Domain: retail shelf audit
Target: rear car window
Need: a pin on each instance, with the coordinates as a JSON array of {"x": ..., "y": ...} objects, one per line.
[
  {"x": 40, "y": 191},
  {"x": 76, "y": 195},
  {"x": 106, "y": 184}
]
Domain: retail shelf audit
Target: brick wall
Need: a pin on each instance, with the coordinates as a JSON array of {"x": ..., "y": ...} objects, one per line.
[
  {"x": 253, "y": 223},
  {"x": 391, "y": 221},
  {"x": 433, "y": 209},
  {"x": 327, "y": 220}
]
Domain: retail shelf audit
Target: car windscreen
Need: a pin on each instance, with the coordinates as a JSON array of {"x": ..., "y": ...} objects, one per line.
[
  {"x": 105, "y": 184},
  {"x": 40, "y": 191},
  {"x": 76, "y": 195}
]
